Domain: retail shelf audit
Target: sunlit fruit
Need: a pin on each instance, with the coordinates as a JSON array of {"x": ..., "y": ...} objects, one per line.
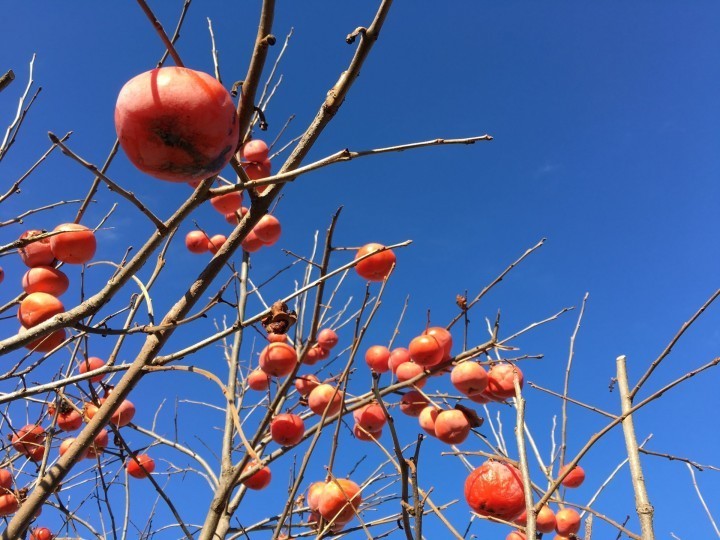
[
  {"x": 176, "y": 124},
  {"x": 257, "y": 379},
  {"x": 327, "y": 338},
  {"x": 233, "y": 218},
  {"x": 216, "y": 242},
  {"x": 75, "y": 245},
  {"x": 29, "y": 440},
  {"x": 268, "y": 229},
  {"x": 66, "y": 444},
  {"x": 469, "y": 378},
  {"x": 516, "y": 535},
  {"x": 376, "y": 267},
  {"x": 272, "y": 337},
  {"x": 6, "y": 480},
  {"x": 45, "y": 279},
  {"x": 90, "y": 364},
  {"x": 500, "y": 380},
  {"x": 258, "y": 171},
  {"x": 123, "y": 415},
  {"x": 315, "y": 354},
  {"x": 38, "y": 307},
  {"x": 340, "y": 500},
  {"x": 495, "y": 489},
  {"x": 255, "y": 150},
  {"x": 398, "y": 356},
  {"x": 227, "y": 203},
  {"x": 325, "y": 396},
  {"x": 41, "y": 533},
  {"x": 68, "y": 419},
  {"x": 365, "y": 435},
  {"x": 37, "y": 253},
  {"x": 370, "y": 417},
  {"x": 305, "y": 384},
  {"x": 377, "y": 358},
  {"x": 8, "y": 504},
  {"x": 313, "y": 495},
  {"x": 452, "y": 426},
  {"x": 427, "y": 418},
  {"x": 47, "y": 343},
  {"x": 100, "y": 443},
  {"x": 426, "y": 350},
  {"x": 574, "y": 478},
  {"x": 410, "y": 370},
  {"x": 567, "y": 521},
  {"x": 287, "y": 429},
  {"x": 258, "y": 480},
  {"x": 412, "y": 403},
  {"x": 140, "y": 466},
  {"x": 544, "y": 521},
  {"x": 196, "y": 242},
  {"x": 444, "y": 338},
  {"x": 278, "y": 359},
  {"x": 251, "y": 243}
]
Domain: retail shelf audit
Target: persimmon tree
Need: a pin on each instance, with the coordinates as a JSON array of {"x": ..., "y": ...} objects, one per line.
[{"x": 297, "y": 401}]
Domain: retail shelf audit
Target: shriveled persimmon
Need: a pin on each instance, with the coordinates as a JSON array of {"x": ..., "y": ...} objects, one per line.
[
  {"x": 176, "y": 124},
  {"x": 495, "y": 489}
]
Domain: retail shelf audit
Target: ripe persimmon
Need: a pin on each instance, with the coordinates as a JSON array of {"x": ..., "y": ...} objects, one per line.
[
  {"x": 452, "y": 426},
  {"x": 339, "y": 500},
  {"x": 140, "y": 466},
  {"x": 90, "y": 364},
  {"x": 41, "y": 533},
  {"x": 370, "y": 417},
  {"x": 287, "y": 429},
  {"x": 375, "y": 267},
  {"x": 495, "y": 489},
  {"x": 257, "y": 379},
  {"x": 75, "y": 245},
  {"x": 567, "y": 521},
  {"x": 176, "y": 124},
  {"x": 196, "y": 242},
  {"x": 305, "y": 384},
  {"x": 227, "y": 203},
  {"x": 325, "y": 396},
  {"x": 574, "y": 478},
  {"x": 444, "y": 338},
  {"x": 268, "y": 229},
  {"x": 544, "y": 521},
  {"x": 38, "y": 307},
  {"x": 500, "y": 380},
  {"x": 426, "y": 350},
  {"x": 410, "y": 370},
  {"x": 412, "y": 403},
  {"x": 278, "y": 359},
  {"x": 38, "y": 252},
  {"x": 45, "y": 343},
  {"x": 469, "y": 378},
  {"x": 427, "y": 419},
  {"x": 66, "y": 444},
  {"x": 259, "y": 479},
  {"x": 9, "y": 504},
  {"x": 29, "y": 440},
  {"x": 398, "y": 356},
  {"x": 255, "y": 150},
  {"x": 45, "y": 279},
  {"x": 327, "y": 338},
  {"x": 216, "y": 242},
  {"x": 100, "y": 443},
  {"x": 376, "y": 357}
]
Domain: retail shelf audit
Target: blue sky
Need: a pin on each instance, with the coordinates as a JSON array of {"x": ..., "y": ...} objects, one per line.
[{"x": 605, "y": 121}]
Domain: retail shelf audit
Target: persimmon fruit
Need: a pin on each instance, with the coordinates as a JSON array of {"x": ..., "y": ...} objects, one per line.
[
  {"x": 140, "y": 466},
  {"x": 376, "y": 267},
  {"x": 38, "y": 252},
  {"x": 278, "y": 359},
  {"x": 176, "y": 124},
  {"x": 567, "y": 521},
  {"x": 287, "y": 429},
  {"x": 38, "y": 307},
  {"x": 574, "y": 478},
  {"x": 495, "y": 489},
  {"x": 258, "y": 480},
  {"x": 76, "y": 244},
  {"x": 45, "y": 279}
]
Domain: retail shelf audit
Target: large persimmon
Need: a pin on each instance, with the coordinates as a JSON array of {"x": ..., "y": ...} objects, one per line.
[
  {"x": 176, "y": 124},
  {"x": 339, "y": 500},
  {"x": 495, "y": 489}
]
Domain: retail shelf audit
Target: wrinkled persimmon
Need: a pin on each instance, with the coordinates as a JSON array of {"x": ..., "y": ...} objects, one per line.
[
  {"x": 176, "y": 124},
  {"x": 495, "y": 489}
]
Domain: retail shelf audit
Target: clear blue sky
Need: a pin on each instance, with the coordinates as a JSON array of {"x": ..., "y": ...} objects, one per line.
[{"x": 605, "y": 121}]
